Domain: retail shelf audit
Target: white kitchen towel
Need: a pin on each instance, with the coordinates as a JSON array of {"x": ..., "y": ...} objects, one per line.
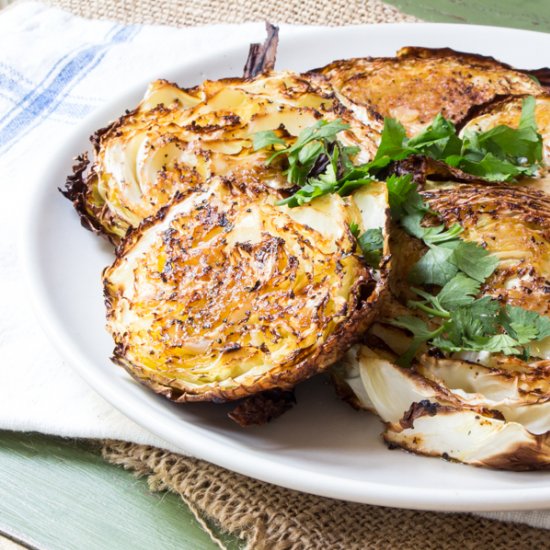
[{"x": 54, "y": 70}]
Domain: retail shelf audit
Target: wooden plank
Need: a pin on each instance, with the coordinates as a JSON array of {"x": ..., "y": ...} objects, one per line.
[
  {"x": 57, "y": 493},
  {"x": 524, "y": 14}
]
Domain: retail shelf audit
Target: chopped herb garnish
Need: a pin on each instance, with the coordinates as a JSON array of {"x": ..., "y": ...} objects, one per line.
[
  {"x": 314, "y": 151},
  {"x": 354, "y": 228},
  {"x": 499, "y": 154},
  {"x": 371, "y": 243},
  {"x": 466, "y": 323},
  {"x": 320, "y": 164},
  {"x": 435, "y": 267},
  {"x": 317, "y": 162}
]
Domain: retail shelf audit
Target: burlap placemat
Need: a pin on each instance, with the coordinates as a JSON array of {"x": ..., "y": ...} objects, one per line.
[
  {"x": 265, "y": 516},
  {"x": 182, "y": 13}
]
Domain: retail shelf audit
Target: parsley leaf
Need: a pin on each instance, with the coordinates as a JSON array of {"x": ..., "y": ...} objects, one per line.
[
  {"x": 354, "y": 229},
  {"x": 503, "y": 148},
  {"x": 401, "y": 193},
  {"x": 474, "y": 320},
  {"x": 350, "y": 183},
  {"x": 392, "y": 144},
  {"x": 320, "y": 131},
  {"x": 439, "y": 140},
  {"x": 261, "y": 140},
  {"x": 489, "y": 167},
  {"x": 459, "y": 291},
  {"x": 421, "y": 333},
  {"x": 311, "y": 190},
  {"x": 474, "y": 260},
  {"x": 371, "y": 243},
  {"x": 404, "y": 198},
  {"x": 438, "y": 235},
  {"x": 499, "y": 343},
  {"x": 434, "y": 268},
  {"x": 525, "y": 325}
]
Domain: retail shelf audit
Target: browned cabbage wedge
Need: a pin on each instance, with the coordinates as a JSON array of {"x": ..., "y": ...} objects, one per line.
[
  {"x": 419, "y": 83},
  {"x": 424, "y": 415},
  {"x": 468, "y": 437},
  {"x": 346, "y": 378},
  {"x": 505, "y": 388},
  {"x": 529, "y": 407},
  {"x": 176, "y": 139},
  {"x": 514, "y": 365},
  {"x": 224, "y": 294}
]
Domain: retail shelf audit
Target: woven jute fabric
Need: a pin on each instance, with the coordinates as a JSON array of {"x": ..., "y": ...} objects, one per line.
[
  {"x": 182, "y": 13},
  {"x": 264, "y": 516},
  {"x": 267, "y": 517}
]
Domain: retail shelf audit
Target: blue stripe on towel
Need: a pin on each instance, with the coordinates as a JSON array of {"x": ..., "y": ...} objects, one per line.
[
  {"x": 29, "y": 97},
  {"x": 68, "y": 111},
  {"x": 14, "y": 85},
  {"x": 73, "y": 108},
  {"x": 43, "y": 100}
]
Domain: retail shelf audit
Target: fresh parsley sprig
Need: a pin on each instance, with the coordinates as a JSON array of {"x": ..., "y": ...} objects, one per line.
[
  {"x": 371, "y": 243},
  {"x": 317, "y": 162},
  {"x": 499, "y": 154},
  {"x": 481, "y": 325}
]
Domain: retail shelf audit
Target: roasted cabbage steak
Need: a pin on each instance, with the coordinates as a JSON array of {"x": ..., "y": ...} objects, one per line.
[
  {"x": 419, "y": 83},
  {"x": 224, "y": 294}
]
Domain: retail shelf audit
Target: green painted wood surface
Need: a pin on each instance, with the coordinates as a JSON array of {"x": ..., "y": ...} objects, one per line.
[
  {"x": 60, "y": 494},
  {"x": 56, "y": 494},
  {"x": 521, "y": 14}
]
